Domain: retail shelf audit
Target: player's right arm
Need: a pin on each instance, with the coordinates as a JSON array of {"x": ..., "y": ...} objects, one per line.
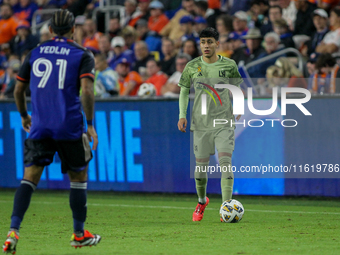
[
  {"x": 184, "y": 83},
  {"x": 22, "y": 84},
  {"x": 87, "y": 101},
  {"x": 87, "y": 97}
]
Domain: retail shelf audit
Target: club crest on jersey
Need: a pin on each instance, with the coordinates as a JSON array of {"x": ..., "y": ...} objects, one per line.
[{"x": 221, "y": 73}]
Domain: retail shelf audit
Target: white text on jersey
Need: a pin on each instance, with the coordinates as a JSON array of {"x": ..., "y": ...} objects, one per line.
[{"x": 54, "y": 50}]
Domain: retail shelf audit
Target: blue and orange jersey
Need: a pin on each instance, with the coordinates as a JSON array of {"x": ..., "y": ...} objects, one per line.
[
  {"x": 54, "y": 70},
  {"x": 25, "y": 13}
]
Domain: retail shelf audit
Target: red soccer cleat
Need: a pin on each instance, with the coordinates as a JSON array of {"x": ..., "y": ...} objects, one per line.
[
  {"x": 86, "y": 240},
  {"x": 10, "y": 244},
  {"x": 199, "y": 211}
]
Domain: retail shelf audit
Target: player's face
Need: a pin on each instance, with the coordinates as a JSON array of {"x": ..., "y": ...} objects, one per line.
[{"x": 208, "y": 46}]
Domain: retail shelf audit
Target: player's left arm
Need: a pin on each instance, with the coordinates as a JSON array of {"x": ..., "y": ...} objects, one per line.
[
  {"x": 19, "y": 93},
  {"x": 20, "y": 100},
  {"x": 236, "y": 79}
]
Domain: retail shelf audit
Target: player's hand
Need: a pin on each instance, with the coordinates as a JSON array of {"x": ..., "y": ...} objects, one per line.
[
  {"x": 26, "y": 123},
  {"x": 92, "y": 135},
  {"x": 182, "y": 124},
  {"x": 238, "y": 117}
]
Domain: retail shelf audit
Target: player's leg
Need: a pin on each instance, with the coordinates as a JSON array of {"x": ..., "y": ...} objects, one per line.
[
  {"x": 203, "y": 148},
  {"x": 224, "y": 140},
  {"x": 75, "y": 156},
  {"x": 38, "y": 153}
]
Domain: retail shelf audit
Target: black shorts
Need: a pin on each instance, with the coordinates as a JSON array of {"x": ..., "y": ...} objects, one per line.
[{"x": 74, "y": 154}]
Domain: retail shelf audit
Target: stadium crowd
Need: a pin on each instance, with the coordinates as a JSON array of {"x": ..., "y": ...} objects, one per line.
[{"x": 153, "y": 41}]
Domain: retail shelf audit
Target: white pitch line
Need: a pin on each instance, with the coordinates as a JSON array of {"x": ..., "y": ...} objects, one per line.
[{"x": 180, "y": 208}]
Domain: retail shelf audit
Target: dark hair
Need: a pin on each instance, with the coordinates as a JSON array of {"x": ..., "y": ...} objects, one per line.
[
  {"x": 62, "y": 22},
  {"x": 202, "y": 5},
  {"x": 101, "y": 57},
  {"x": 169, "y": 40},
  {"x": 325, "y": 60},
  {"x": 258, "y": 2},
  {"x": 336, "y": 11},
  {"x": 275, "y": 6},
  {"x": 227, "y": 21},
  {"x": 209, "y": 32},
  {"x": 158, "y": 63},
  {"x": 196, "y": 53}
]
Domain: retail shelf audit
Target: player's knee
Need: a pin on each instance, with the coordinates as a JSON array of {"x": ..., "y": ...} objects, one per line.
[
  {"x": 33, "y": 173},
  {"x": 226, "y": 167},
  {"x": 78, "y": 176}
]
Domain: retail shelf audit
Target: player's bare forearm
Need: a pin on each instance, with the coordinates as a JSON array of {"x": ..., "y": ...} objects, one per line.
[
  {"x": 87, "y": 98},
  {"x": 20, "y": 97}
]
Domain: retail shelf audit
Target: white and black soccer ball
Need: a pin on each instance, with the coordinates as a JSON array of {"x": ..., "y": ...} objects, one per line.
[
  {"x": 231, "y": 211},
  {"x": 146, "y": 90}
]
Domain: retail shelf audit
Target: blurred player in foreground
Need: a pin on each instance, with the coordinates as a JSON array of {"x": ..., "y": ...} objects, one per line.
[
  {"x": 55, "y": 71},
  {"x": 204, "y": 72}
]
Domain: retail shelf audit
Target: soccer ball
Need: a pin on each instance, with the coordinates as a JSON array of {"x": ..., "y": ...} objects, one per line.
[
  {"x": 231, "y": 211},
  {"x": 146, "y": 90}
]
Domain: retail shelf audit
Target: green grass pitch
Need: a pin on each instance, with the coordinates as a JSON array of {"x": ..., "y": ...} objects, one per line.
[{"x": 162, "y": 224}]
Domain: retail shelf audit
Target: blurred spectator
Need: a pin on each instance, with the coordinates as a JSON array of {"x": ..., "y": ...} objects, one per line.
[
  {"x": 168, "y": 65},
  {"x": 187, "y": 27},
  {"x": 106, "y": 82},
  {"x": 224, "y": 24},
  {"x": 259, "y": 12},
  {"x": 225, "y": 48},
  {"x": 45, "y": 33},
  {"x": 289, "y": 12},
  {"x": 331, "y": 41},
  {"x": 45, "y": 4},
  {"x": 190, "y": 48},
  {"x": 104, "y": 46},
  {"x": 200, "y": 24},
  {"x": 79, "y": 33},
  {"x": 311, "y": 66},
  {"x": 320, "y": 20},
  {"x": 172, "y": 29},
  {"x": 156, "y": 76},
  {"x": 130, "y": 36},
  {"x": 91, "y": 35},
  {"x": 326, "y": 78},
  {"x": 271, "y": 45},
  {"x": 157, "y": 19},
  {"x": 24, "y": 41},
  {"x": 130, "y": 12},
  {"x": 303, "y": 23},
  {"x": 142, "y": 55},
  {"x": 151, "y": 38},
  {"x": 240, "y": 20},
  {"x": 114, "y": 27},
  {"x": 275, "y": 13},
  {"x": 120, "y": 52},
  {"x": 171, "y": 86},
  {"x": 129, "y": 82},
  {"x": 143, "y": 13},
  {"x": 8, "y": 80},
  {"x": 238, "y": 47},
  {"x": 24, "y": 10},
  {"x": 326, "y": 4},
  {"x": 201, "y": 9},
  {"x": 8, "y": 24},
  {"x": 77, "y": 7},
  {"x": 281, "y": 28},
  {"x": 253, "y": 41},
  {"x": 284, "y": 74}
]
